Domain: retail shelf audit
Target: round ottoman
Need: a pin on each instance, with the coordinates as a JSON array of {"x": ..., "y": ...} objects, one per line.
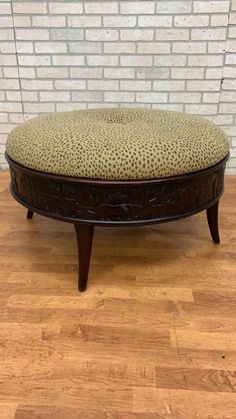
[{"x": 117, "y": 167}]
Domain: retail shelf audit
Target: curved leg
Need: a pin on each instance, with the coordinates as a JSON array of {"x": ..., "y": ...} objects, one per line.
[
  {"x": 84, "y": 234},
  {"x": 29, "y": 214},
  {"x": 212, "y": 218}
]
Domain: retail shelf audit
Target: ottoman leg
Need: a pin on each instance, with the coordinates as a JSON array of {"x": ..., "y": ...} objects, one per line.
[
  {"x": 212, "y": 218},
  {"x": 29, "y": 214},
  {"x": 84, "y": 234}
]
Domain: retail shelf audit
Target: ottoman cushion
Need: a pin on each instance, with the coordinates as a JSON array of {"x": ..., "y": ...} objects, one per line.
[{"x": 118, "y": 143}]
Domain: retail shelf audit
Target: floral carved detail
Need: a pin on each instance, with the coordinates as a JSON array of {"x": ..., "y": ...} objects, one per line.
[{"x": 123, "y": 202}]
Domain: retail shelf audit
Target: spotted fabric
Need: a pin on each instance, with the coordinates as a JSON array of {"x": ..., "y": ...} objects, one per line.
[{"x": 118, "y": 143}]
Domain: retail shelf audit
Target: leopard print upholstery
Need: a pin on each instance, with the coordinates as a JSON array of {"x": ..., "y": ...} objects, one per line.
[{"x": 119, "y": 143}]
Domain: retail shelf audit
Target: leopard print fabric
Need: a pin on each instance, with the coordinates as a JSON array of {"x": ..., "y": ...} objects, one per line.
[{"x": 118, "y": 143}]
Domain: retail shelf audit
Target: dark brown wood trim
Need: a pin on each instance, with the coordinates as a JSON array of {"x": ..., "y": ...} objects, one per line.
[{"x": 122, "y": 203}]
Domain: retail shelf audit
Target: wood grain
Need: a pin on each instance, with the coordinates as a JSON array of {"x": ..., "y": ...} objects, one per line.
[{"x": 153, "y": 337}]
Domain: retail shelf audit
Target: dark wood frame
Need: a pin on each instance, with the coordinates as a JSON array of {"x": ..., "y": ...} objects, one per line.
[{"x": 89, "y": 202}]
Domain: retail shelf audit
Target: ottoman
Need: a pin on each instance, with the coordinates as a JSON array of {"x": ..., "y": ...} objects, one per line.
[{"x": 117, "y": 167}]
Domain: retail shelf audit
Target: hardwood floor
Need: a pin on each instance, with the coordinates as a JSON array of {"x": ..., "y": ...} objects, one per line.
[{"x": 154, "y": 336}]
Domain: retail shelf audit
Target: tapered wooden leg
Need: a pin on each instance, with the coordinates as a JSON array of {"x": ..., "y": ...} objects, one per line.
[
  {"x": 29, "y": 214},
  {"x": 84, "y": 234},
  {"x": 212, "y": 218}
]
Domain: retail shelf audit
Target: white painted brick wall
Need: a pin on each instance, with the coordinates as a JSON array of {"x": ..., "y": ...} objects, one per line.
[{"x": 62, "y": 55}]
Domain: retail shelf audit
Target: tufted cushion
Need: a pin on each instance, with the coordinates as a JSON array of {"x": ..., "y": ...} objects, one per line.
[{"x": 118, "y": 143}]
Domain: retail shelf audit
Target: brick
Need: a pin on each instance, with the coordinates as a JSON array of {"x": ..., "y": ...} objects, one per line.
[
  {"x": 102, "y": 60},
  {"x": 7, "y": 84},
  {"x": 119, "y": 96},
  {"x": 135, "y": 85},
  {"x": 39, "y": 107},
  {"x": 24, "y": 47},
  {"x": 174, "y": 7},
  {"x": 227, "y": 96},
  {"x": 229, "y": 72},
  {"x": 29, "y": 7},
  {"x": 187, "y": 21},
  {"x": 34, "y": 60},
  {"x": 7, "y": 47},
  {"x": 155, "y": 21},
  {"x": 50, "y": 47},
  {"x": 211, "y": 97},
  {"x": 101, "y": 35},
  {"x": 232, "y": 163},
  {"x": 86, "y": 72},
  {"x": 202, "y": 109},
  {"x": 67, "y": 34},
  {"x": 230, "y": 59},
  {"x": 54, "y": 96},
  {"x": 205, "y": 60},
  {"x": 216, "y": 47},
  {"x": 220, "y": 20},
  {"x": 136, "y": 60},
  {"x": 65, "y": 106},
  {"x": 84, "y": 21},
  {"x": 8, "y": 59},
  {"x": 29, "y": 96},
  {"x": 11, "y": 72},
  {"x": 187, "y": 73},
  {"x": 153, "y": 47},
  {"x": 153, "y": 73},
  {"x": 229, "y": 84},
  {"x": 213, "y": 73},
  {"x": 170, "y": 60},
  {"x": 119, "y": 21},
  {"x": 119, "y": 73},
  {"x": 6, "y": 8},
  {"x": 49, "y": 21},
  {"x": 87, "y": 47},
  {"x": 223, "y": 119},
  {"x": 87, "y": 96},
  {"x": 70, "y": 84},
  {"x": 52, "y": 72},
  {"x": 103, "y": 85},
  {"x": 168, "y": 85},
  {"x": 209, "y": 7},
  {"x": 136, "y": 34},
  {"x": 12, "y": 96},
  {"x": 232, "y": 32},
  {"x": 22, "y": 21},
  {"x": 5, "y": 21},
  {"x": 6, "y": 34},
  {"x": 27, "y": 72},
  {"x": 184, "y": 97},
  {"x": 58, "y": 8},
  {"x": 119, "y": 47},
  {"x": 232, "y": 19},
  {"x": 11, "y": 107},
  {"x": 32, "y": 34},
  {"x": 208, "y": 34},
  {"x": 151, "y": 97},
  {"x": 65, "y": 60},
  {"x": 101, "y": 7},
  {"x": 3, "y": 117},
  {"x": 203, "y": 85},
  {"x": 172, "y": 34},
  {"x": 139, "y": 7},
  {"x": 37, "y": 84},
  {"x": 189, "y": 47}
]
